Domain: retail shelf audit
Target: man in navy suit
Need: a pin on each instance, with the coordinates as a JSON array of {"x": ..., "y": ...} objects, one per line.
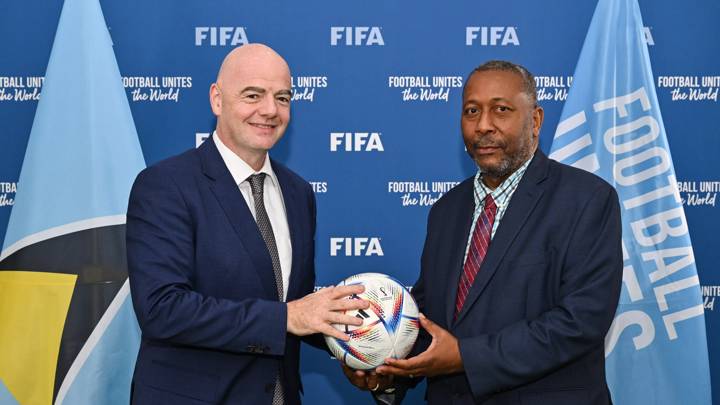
[
  {"x": 220, "y": 244},
  {"x": 521, "y": 269}
]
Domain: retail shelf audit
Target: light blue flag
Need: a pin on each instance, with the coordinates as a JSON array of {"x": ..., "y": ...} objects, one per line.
[
  {"x": 611, "y": 125},
  {"x": 83, "y": 152},
  {"x": 102, "y": 373},
  {"x": 82, "y": 156}
]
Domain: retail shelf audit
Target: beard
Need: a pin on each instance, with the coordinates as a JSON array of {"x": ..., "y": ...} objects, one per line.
[{"x": 509, "y": 163}]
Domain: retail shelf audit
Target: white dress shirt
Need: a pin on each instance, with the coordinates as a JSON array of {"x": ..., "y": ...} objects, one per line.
[{"x": 274, "y": 204}]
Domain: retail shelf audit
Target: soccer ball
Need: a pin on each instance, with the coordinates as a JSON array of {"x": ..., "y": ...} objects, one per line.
[{"x": 390, "y": 325}]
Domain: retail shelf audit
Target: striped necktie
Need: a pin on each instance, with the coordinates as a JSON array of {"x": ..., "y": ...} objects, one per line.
[{"x": 478, "y": 249}]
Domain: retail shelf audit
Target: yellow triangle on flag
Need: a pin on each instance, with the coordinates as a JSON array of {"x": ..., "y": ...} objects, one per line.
[{"x": 33, "y": 308}]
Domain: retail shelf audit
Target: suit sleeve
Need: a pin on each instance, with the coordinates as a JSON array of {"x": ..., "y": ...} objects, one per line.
[
  {"x": 588, "y": 295},
  {"x": 160, "y": 251}
]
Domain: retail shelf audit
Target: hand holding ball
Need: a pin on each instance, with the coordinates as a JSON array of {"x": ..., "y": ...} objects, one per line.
[{"x": 390, "y": 325}]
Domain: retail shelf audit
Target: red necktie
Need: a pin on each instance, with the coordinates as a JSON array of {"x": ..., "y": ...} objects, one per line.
[{"x": 476, "y": 254}]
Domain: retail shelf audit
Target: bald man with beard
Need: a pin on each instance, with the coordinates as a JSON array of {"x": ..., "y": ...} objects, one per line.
[{"x": 220, "y": 245}]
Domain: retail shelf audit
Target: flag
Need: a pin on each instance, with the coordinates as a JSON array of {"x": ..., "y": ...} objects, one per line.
[
  {"x": 656, "y": 349},
  {"x": 68, "y": 333}
]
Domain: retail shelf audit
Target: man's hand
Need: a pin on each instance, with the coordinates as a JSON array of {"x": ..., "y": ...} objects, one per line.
[
  {"x": 441, "y": 357},
  {"x": 367, "y": 381},
  {"x": 316, "y": 312}
]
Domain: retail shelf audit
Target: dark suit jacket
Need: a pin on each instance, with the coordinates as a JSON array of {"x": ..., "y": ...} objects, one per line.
[
  {"x": 533, "y": 325},
  {"x": 202, "y": 283}
]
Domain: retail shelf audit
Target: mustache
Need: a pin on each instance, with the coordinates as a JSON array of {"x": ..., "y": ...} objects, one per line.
[{"x": 485, "y": 142}]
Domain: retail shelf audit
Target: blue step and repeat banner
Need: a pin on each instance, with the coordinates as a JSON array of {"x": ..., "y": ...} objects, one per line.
[{"x": 374, "y": 129}]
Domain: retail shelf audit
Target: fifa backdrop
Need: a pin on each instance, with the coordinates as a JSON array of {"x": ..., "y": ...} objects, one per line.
[{"x": 376, "y": 111}]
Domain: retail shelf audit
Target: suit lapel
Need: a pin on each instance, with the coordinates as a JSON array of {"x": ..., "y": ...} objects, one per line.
[
  {"x": 290, "y": 197},
  {"x": 233, "y": 204},
  {"x": 459, "y": 230},
  {"x": 522, "y": 203}
]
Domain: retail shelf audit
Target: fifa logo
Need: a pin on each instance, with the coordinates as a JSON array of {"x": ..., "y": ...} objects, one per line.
[
  {"x": 356, "y": 142},
  {"x": 491, "y": 36},
  {"x": 221, "y": 36},
  {"x": 356, "y": 36},
  {"x": 355, "y": 247}
]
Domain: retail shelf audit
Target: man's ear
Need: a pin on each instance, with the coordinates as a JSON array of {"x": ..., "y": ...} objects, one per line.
[
  {"x": 215, "y": 99},
  {"x": 538, "y": 116}
]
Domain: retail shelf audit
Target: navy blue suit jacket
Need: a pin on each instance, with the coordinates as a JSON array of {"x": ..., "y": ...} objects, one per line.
[
  {"x": 533, "y": 325},
  {"x": 203, "y": 288}
]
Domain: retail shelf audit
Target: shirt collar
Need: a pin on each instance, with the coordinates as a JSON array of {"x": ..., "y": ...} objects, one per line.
[
  {"x": 502, "y": 193},
  {"x": 240, "y": 170}
]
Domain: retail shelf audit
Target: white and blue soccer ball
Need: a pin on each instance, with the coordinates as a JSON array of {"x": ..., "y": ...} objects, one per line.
[{"x": 390, "y": 325}]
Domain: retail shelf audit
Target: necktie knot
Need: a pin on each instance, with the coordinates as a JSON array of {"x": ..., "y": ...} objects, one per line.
[
  {"x": 490, "y": 203},
  {"x": 256, "y": 183}
]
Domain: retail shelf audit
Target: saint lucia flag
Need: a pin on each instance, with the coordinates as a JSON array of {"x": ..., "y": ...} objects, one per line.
[
  {"x": 611, "y": 125},
  {"x": 68, "y": 333}
]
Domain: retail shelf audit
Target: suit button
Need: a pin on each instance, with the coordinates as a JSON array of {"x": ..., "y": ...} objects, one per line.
[{"x": 269, "y": 387}]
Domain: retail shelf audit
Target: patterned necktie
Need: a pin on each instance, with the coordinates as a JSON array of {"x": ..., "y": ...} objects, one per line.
[
  {"x": 263, "y": 221},
  {"x": 476, "y": 254},
  {"x": 257, "y": 182}
]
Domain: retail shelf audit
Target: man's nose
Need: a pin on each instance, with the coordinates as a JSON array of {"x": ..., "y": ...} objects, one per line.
[
  {"x": 268, "y": 106},
  {"x": 484, "y": 123}
]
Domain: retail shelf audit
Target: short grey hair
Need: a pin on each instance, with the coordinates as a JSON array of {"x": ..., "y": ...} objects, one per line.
[{"x": 528, "y": 80}]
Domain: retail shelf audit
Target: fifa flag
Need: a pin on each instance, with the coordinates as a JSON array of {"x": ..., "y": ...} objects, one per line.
[
  {"x": 68, "y": 333},
  {"x": 656, "y": 349}
]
